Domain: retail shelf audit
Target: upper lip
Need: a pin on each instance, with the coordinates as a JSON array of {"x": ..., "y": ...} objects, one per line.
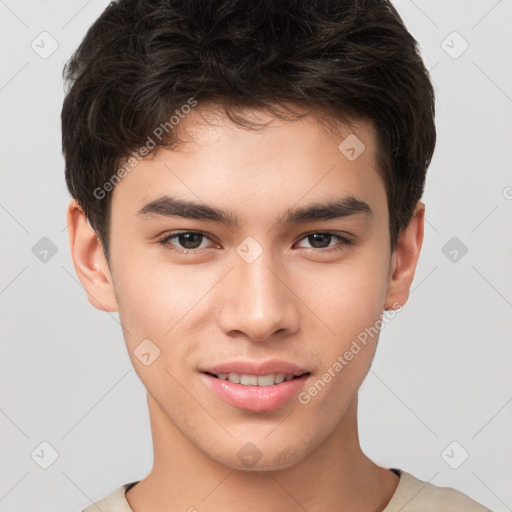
[{"x": 256, "y": 368}]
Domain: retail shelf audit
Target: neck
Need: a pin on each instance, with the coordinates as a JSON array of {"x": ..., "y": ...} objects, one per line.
[{"x": 336, "y": 475}]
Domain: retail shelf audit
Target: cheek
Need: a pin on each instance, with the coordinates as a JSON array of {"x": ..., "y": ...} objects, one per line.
[
  {"x": 347, "y": 297},
  {"x": 158, "y": 300},
  {"x": 349, "y": 300},
  {"x": 351, "y": 306},
  {"x": 154, "y": 308}
]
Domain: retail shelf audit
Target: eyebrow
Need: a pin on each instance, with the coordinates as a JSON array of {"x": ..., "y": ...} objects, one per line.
[{"x": 169, "y": 206}]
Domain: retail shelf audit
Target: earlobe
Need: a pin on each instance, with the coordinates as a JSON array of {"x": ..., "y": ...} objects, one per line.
[
  {"x": 404, "y": 260},
  {"x": 89, "y": 260}
]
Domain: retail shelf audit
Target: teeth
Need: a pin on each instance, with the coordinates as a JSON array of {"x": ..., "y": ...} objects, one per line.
[
  {"x": 234, "y": 377},
  {"x": 279, "y": 378},
  {"x": 249, "y": 380},
  {"x": 254, "y": 380},
  {"x": 265, "y": 380}
]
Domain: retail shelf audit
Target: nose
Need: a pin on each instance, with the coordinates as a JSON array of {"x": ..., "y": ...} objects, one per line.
[{"x": 258, "y": 301}]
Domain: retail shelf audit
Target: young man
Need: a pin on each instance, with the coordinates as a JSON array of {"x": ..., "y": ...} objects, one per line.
[{"x": 246, "y": 182}]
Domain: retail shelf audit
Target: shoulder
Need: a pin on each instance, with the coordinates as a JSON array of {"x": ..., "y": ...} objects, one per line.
[
  {"x": 415, "y": 495},
  {"x": 114, "y": 502}
]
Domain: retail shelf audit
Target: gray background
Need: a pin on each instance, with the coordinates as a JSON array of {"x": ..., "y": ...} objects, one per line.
[{"x": 442, "y": 371}]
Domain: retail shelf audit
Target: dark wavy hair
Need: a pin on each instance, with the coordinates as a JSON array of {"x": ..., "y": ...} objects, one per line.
[{"x": 143, "y": 60}]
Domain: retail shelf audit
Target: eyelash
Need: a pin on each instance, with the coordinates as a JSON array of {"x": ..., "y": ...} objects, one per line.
[{"x": 345, "y": 242}]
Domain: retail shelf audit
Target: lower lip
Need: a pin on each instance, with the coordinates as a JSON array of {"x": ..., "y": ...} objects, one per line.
[{"x": 255, "y": 398}]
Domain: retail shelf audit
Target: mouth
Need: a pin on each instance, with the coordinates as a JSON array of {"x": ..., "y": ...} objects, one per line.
[
  {"x": 270, "y": 379},
  {"x": 255, "y": 393}
]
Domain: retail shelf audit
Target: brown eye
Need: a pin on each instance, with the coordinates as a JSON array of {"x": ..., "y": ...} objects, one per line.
[
  {"x": 189, "y": 240},
  {"x": 186, "y": 241},
  {"x": 322, "y": 241}
]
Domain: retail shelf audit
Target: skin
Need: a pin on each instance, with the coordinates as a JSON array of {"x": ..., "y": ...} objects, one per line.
[{"x": 292, "y": 303}]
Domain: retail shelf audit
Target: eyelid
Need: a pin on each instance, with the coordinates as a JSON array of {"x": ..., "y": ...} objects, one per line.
[
  {"x": 345, "y": 240},
  {"x": 342, "y": 234},
  {"x": 164, "y": 240}
]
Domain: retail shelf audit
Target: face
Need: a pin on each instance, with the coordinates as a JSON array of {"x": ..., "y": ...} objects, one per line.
[{"x": 281, "y": 266}]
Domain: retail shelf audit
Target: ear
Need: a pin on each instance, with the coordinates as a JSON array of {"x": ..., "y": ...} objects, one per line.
[
  {"x": 89, "y": 261},
  {"x": 404, "y": 259}
]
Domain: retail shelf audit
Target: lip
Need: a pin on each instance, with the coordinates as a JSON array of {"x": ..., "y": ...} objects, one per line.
[
  {"x": 255, "y": 398},
  {"x": 256, "y": 368}
]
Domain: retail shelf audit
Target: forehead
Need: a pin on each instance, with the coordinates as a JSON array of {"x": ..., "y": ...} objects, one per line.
[
  {"x": 208, "y": 126},
  {"x": 283, "y": 162}
]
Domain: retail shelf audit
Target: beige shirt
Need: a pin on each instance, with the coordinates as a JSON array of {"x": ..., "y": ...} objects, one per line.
[{"x": 411, "y": 495}]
